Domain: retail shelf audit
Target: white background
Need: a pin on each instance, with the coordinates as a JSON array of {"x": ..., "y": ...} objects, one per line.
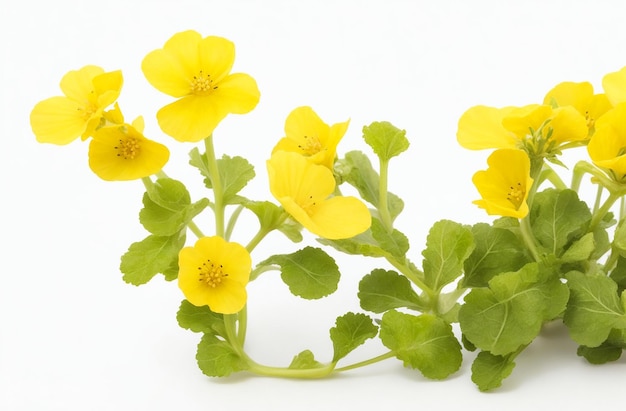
[{"x": 74, "y": 336}]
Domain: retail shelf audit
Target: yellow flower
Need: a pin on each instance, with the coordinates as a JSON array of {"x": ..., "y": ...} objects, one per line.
[
  {"x": 121, "y": 152},
  {"x": 614, "y": 85},
  {"x": 504, "y": 186},
  {"x": 215, "y": 272},
  {"x": 88, "y": 91},
  {"x": 308, "y": 135},
  {"x": 303, "y": 189},
  {"x": 607, "y": 147},
  {"x": 581, "y": 97},
  {"x": 196, "y": 71},
  {"x": 536, "y": 128}
]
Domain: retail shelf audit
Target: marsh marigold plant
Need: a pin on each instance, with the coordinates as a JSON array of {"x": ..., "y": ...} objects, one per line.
[{"x": 543, "y": 255}]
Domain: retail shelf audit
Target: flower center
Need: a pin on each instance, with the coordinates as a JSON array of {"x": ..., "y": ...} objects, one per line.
[
  {"x": 211, "y": 274},
  {"x": 311, "y": 146},
  {"x": 591, "y": 122},
  {"x": 309, "y": 205},
  {"x": 128, "y": 149},
  {"x": 88, "y": 110},
  {"x": 202, "y": 84},
  {"x": 516, "y": 195}
]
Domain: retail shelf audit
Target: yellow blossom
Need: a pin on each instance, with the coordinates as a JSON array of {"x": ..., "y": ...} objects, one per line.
[
  {"x": 121, "y": 152},
  {"x": 607, "y": 147},
  {"x": 582, "y": 98},
  {"x": 215, "y": 272},
  {"x": 505, "y": 185},
  {"x": 308, "y": 135},
  {"x": 196, "y": 71},
  {"x": 87, "y": 92},
  {"x": 538, "y": 129},
  {"x": 303, "y": 189},
  {"x": 614, "y": 85}
]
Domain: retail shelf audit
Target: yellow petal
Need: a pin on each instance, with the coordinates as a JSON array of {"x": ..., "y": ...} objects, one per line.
[
  {"x": 57, "y": 120},
  {"x": 522, "y": 119},
  {"x": 568, "y": 124},
  {"x": 340, "y": 217},
  {"x": 480, "y": 127},
  {"x": 291, "y": 175},
  {"x": 192, "y": 118},
  {"x": 570, "y": 93},
  {"x": 216, "y": 57},
  {"x": 78, "y": 84},
  {"x": 614, "y": 85},
  {"x": 106, "y": 161},
  {"x": 237, "y": 94}
]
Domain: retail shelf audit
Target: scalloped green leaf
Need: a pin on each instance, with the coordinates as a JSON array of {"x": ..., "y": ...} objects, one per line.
[
  {"x": 423, "y": 342},
  {"x": 151, "y": 256},
  {"x": 350, "y": 331},
  {"x": 488, "y": 370},
  {"x": 200, "y": 319},
  {"x": 382, "y": 290},
  {"x": 216, "y": 358},
  {"x": 385, "y": 139}
]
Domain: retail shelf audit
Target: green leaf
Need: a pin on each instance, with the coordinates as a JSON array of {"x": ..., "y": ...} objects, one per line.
[
  {"x": 619, "y": 274},
  {"x": 386, "y": 140},
  {"x": 310, "y": 273},
  {"x": 488, "y": 370},
  {"x": 447, "y": 246},
  {"x": 423, "y": 342},
  {"x": 305, "y": 361},
  {"x": 510, "y": 313},
  {"x": 167, "y": 207},
  {"x": 381, "y": 290},
  {"x": 581, "y": 250},
  {"x": 152, "y": 255},
  {"x": 594, "y": 308},
  {"x": 557, "y": 218},
  {"x": 361, "y": 244},
  {"x": 235, "y": 173},
  {"x": 356, "y": 169},
  {"x": 497, "y": 250},
  {"x": 395, "y": 243},
  {"x": 605, "y": 352},
  {"x": 216, "y": 358},
  {"x": 269, "y": 214},
  {"x": 350, "y": 331},
  {"x": 200, "y": 319}
]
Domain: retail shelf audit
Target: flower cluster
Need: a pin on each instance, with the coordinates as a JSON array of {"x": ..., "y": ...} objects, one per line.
[{"x": 549, "y": 258}]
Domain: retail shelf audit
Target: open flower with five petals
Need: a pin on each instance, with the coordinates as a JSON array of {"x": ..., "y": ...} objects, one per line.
[
  {"x": 607, "y": 147},
  {"x": 87, "y": 92},
  {"x": 580, "y": 96},
  {"x": 196, "y": 71},
  {"x": 120, "y": 152},
  {"x": 538, "y": 129},
  {"x": 304, "y": 189},
  {"x": 505, "y": 185},
  {"x": 215, "y": 272},
  {"x": 307, "y": 135}
]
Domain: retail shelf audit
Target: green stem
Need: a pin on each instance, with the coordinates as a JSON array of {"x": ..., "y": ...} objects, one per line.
[
  {"x": 195, "y": 229},
  {"x": 374, "y": 360},
  {"x": 243, "y": 326},
  {"x": 262, "y": 269},
  {"x": 596, "y": 204},
  {"x": 383, "y": 207},
  {"x": 413, "y": 277},
  {"x": 232, "y": 221},
  {"x": 601, "y": 212},
  {"x": 310, "y": 373},
  {"x": 216, "y": 183},
  {"x": 549, "y": 174},
  {"x": 528, "y": 238}
]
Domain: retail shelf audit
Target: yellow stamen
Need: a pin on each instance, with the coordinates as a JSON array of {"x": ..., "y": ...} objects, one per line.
[
  {"x": 312, "y": 146},
  {"x": 516, "y": 195},
  {"x": 128, "y": 149},
  {"x": 211, "y": 274},
  {"x": 202, "y": 84}
]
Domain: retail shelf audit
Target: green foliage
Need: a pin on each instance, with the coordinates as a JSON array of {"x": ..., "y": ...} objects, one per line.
[
  {"x": 447, "y": 246},
  {"x": 235, "y": 173},
  {"x": 510, "y": 313},
  {"x": 423, "y": 342},
  {"x": 619, "y": 274},
  {"x": 488, "y": 370},
  {"x": 273, "y": 217},
  {"x": 350, "y": 331},
  {"x": 497, "y": 250},
  {"x": 217, "y": 358},
  {"x": 305, "y": 360},
  {"x": 151, "y": 256},
  {"x": 605, "y": 352},
  {"x": 394, "y": 243},
  {"x": 385, "y": 139},
  {"x": 382, "y": 290},
  {"x": 356, "y": 169},
  {"x": 310, "y": 273},
  {"x": 200, "y": 319},
  {"x": 594, "y": 308},
  {"x": 167, "y": 207},
  {"x": 557, "y": 218}
]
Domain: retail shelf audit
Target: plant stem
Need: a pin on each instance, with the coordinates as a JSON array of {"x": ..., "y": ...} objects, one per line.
[
  {"x": 216, "y": 183},
  {"x": 232, "y": 221},
  {"x": 383, "y": 207},
  {"x": 528, "y": 238},
  {"x": 374, "y": 360}
]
